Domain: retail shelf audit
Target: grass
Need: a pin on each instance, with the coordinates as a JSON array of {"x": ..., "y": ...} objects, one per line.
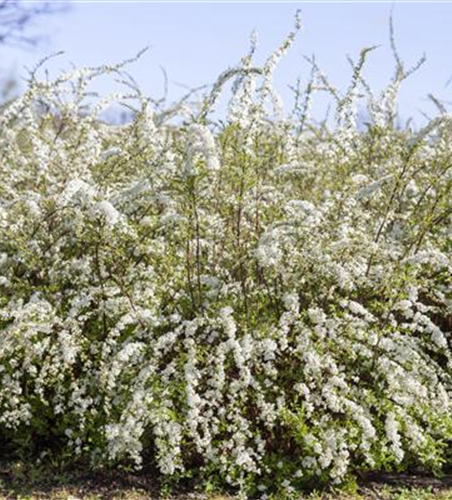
[
  {"x": 65, "y": 493},
  {"x": 32, "y": 482}
]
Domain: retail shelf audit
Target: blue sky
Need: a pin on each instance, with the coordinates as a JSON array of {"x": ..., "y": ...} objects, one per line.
[{"x": 194, "y": 42}]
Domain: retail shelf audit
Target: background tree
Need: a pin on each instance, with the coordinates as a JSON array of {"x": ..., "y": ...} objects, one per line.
[
  {"x": 18, "y": 28},
  {"x": 18, "y": 19}
]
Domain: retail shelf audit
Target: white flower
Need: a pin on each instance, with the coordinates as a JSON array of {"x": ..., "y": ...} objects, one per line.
[{"x": 108, "y": 211}]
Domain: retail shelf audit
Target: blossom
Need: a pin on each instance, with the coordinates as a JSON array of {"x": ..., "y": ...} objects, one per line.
[
  {"x": 226, "y": 291},
  {"x": 108, "y": 211}
]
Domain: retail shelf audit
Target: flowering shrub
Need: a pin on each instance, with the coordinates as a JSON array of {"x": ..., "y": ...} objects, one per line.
[{"x": 261, "y": 300}]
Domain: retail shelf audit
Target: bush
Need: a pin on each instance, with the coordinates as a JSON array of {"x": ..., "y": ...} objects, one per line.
[{"x": 263, "y": 300}]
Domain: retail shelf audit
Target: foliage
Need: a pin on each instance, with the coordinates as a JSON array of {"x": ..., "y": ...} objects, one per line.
[{"x": 262, "y": 301}]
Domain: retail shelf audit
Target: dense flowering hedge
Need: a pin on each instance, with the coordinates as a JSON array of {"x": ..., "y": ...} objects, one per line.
[{"x": 260, "y": 300}]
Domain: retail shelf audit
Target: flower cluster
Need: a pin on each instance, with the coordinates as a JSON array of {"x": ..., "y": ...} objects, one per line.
[{"x": 262, "y": 300}]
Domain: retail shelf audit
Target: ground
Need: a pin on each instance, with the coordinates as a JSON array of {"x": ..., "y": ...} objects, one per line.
[{"x": 19, "y": 483}]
